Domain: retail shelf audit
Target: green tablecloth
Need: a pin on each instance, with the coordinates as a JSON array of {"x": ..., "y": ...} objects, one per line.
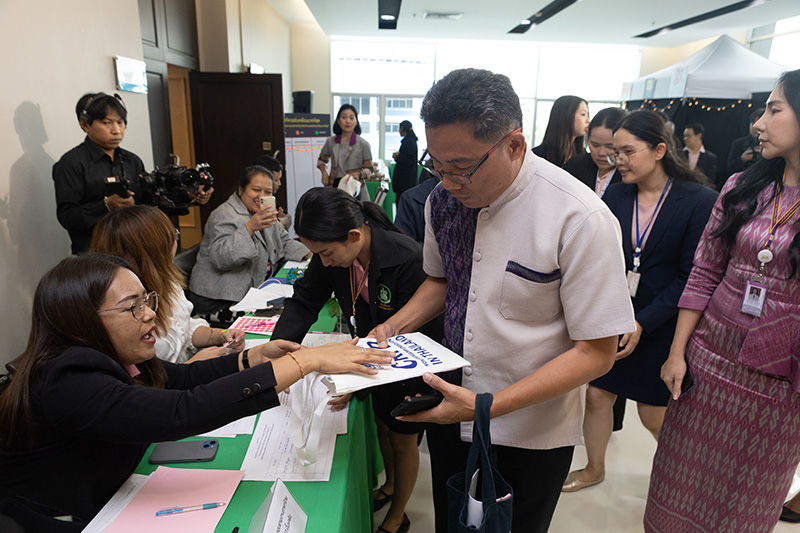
[{"x": 343, "y": 504}]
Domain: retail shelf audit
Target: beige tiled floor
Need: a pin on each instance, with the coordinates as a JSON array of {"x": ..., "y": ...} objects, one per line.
[{"x": 616, "y": 505}]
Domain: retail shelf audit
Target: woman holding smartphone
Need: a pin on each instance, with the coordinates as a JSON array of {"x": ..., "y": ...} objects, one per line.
[
  {"x": 88, "y": 395},
  {"x": 728, "y": 448},
  {"x": 373, "y": 270},
  {"x": 242, "y": 246}
]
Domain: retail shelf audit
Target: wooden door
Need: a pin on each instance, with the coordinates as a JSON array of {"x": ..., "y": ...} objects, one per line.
[
  {"x": 180, "y": 113},
  {"x": 236, "y": 119}
]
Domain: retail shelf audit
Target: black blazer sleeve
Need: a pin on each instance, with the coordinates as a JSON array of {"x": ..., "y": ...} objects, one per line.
[
  {"x": 86, "y": 392},
  {"x": 302, "y": 309}
]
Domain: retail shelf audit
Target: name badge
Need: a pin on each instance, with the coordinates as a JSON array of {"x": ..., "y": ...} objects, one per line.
[
  {"x": 633, "y": 282},
  {"x": 754, "y": 296}
]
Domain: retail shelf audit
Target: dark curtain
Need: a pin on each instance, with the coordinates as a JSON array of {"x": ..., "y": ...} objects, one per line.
[{"x": 724, "y": 120}]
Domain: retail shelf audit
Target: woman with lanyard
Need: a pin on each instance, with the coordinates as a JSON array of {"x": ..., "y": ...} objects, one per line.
[
  {"x": 347, "y": 151},
  {"x": 594, "y": 169},
  {"x": 662, "y": 208},
  {"x": 729, "y": 448},
  {"x": 373, "y": 270}
]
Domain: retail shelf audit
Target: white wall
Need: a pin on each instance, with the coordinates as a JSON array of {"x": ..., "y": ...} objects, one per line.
[
  {"x": 234, "y": 33},
  {"x": 311, "y": 64},
  {"x": 266, "y": 42},
  {"x": 53, "y": 53}
]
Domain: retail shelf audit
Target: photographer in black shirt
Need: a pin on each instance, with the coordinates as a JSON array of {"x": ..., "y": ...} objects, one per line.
[{"x": 96, "y": 176}]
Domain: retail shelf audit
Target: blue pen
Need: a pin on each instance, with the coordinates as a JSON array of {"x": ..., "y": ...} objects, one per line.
[{"x": 176, "y": 510}]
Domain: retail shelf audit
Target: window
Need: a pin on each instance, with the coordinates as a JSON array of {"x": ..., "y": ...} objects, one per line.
[
  {"x": 784, "y": 47},
  {"x": 389, "y": 78}
]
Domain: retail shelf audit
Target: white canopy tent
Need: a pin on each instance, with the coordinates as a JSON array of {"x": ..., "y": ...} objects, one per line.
[{"x": 723, "y": 69}]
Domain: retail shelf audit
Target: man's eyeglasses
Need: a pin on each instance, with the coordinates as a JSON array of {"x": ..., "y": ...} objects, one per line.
[
  {"x": 624, "y": 157},
  {"x": 463, "y": 179},
  {"x": 137, "y": 306}
]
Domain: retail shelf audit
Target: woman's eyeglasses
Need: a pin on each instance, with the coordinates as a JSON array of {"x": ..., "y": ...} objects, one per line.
[
  {"x": 623, "y": 157},
  {"x": 137, "y": 306}
]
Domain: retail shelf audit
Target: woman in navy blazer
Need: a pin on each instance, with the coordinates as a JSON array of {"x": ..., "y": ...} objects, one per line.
[{"x": 662, "y": 207}]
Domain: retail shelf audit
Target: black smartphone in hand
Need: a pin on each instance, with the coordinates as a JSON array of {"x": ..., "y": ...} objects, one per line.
[
  {"x": 415, "y": 404},
  {"x": 688, "y": 381}
]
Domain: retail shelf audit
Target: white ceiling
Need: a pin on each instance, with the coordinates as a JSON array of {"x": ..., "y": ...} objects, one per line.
[{"x": 594, "y": 21}]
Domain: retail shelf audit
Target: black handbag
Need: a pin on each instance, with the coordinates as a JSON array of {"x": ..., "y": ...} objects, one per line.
[{"x": 496, "y": 514}]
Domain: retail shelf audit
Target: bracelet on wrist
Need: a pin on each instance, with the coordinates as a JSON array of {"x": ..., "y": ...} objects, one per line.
[
  {"x": 302, "y": 372},
  {"x": 246, "y": 358},
  {"x": 105, "y": 203}
]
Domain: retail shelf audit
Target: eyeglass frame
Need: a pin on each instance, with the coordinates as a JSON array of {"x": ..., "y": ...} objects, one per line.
[
  {"x": 464, "y": 179},
  {"x": 614, "y": 155},
  {"x": 145, "y": 302}
]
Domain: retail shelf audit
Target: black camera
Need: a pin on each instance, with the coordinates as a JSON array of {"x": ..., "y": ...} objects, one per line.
[{"x": 172, "y": 188}]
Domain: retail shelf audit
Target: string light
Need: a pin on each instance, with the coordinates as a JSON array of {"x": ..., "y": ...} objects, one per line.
[{"x": 688, "y": 101}]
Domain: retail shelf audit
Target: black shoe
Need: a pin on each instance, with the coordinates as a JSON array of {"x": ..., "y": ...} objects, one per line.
[
  {"x": 379, "y": 503},
  {"x": 787, "y": 515},
  {"x": 404, "y": 526}
]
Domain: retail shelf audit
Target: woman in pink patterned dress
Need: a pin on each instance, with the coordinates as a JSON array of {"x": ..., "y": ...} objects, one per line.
[{"x": 728, "y": 448}]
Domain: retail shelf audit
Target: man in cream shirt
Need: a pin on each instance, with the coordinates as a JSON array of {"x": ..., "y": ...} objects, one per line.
[{"x": 527, "y": 264}]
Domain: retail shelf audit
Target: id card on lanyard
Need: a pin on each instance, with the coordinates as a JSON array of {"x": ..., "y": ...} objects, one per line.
[
  {"x": 634, "y": 275},
  {"x": 755, "y": 291}
]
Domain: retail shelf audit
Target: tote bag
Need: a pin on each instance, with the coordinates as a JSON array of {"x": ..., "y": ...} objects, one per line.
[
  {"x": 350, "y": 184},
  {"x": 487, "y": 510}
]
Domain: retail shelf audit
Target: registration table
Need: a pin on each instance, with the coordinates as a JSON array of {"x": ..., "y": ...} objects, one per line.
[{"x": 343, "y": 504}]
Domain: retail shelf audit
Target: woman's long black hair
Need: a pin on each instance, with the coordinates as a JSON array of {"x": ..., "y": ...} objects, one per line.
[
  {"x": 559, "y": 140},
  {"x": 324, "y": 214},
  {"x": 740, "y": 203}
]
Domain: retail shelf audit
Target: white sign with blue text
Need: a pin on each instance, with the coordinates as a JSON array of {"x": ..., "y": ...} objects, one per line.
[{"x": 416, "y": 354}]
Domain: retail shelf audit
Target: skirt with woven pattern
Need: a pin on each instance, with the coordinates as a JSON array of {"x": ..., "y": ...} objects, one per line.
[{"x": 727, "y": 451}]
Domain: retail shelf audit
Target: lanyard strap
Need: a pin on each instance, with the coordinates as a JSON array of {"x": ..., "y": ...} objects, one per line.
[
  {"x": 606, "y": 184},
  {"x": 775, "y": 221},
  {"x": 640, "y": 238},
  {"x": 354, "y": 295}
]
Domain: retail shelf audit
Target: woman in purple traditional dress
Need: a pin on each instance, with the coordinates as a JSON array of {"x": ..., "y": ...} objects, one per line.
[{"x": 728, "y": 448}]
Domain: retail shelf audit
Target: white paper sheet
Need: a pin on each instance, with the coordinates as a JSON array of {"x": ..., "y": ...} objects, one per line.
[
  {"x": 243, "y": 426},
  {"x": 258, "y": 298},
  {"x": 116, "y": 504},
  {"x": 271, "y": 454},
  {"x": 312, "y": 340},
  {"x": 288, "y": 265}
]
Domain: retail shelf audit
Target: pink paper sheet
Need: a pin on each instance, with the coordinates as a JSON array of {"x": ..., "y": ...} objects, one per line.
[{"x": 173, "y": 487}]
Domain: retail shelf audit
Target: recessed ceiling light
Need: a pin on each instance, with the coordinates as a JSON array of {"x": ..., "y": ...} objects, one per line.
[
  {"x": 551, "y": 9},
  {"x": 388, "y": 12}
]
